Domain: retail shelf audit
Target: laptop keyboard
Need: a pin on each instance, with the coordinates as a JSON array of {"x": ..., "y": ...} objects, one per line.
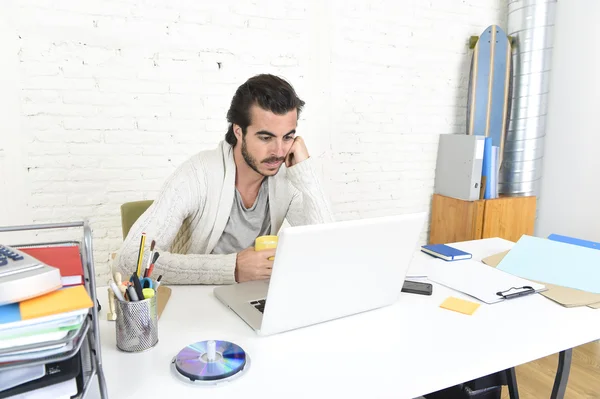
[{"x": 259, "y": 305}]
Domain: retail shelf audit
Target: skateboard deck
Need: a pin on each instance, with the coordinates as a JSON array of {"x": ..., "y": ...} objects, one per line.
[{"x": 490, "y": 86}]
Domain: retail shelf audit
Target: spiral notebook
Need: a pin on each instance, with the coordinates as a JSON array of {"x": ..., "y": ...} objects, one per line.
[{"x": 482, "y": 282}]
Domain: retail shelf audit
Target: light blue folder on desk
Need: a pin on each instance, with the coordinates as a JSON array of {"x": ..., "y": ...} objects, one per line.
[{"x": 554, "y": 262}]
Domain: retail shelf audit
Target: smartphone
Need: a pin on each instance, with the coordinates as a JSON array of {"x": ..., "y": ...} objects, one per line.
[{"x": 414, "y": 287}]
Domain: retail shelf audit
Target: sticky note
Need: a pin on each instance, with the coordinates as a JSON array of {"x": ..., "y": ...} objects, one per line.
[{"x": 460, "y": 305}]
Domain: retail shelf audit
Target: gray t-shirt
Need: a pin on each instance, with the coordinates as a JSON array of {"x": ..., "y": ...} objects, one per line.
[{"x": 245, "y": 224}]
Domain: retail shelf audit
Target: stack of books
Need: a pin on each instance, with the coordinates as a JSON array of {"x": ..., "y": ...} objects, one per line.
[{"x": 41, "y": 337}]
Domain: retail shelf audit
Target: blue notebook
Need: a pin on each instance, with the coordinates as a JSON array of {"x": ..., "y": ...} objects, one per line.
[{"x": 445, "y": 252}]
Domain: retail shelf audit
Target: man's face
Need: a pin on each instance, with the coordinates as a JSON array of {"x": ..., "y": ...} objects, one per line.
[{"x": 267, "y": 140}]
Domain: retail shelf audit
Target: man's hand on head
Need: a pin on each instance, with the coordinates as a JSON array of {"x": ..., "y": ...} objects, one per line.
[
  {"x": 297, "y": 153},
  {"x": 253, "y": 265}
]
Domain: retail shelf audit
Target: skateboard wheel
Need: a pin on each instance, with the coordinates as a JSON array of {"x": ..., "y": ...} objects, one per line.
[{"x": 473, "y": 41}]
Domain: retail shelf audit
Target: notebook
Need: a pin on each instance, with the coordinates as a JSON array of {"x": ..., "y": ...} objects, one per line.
[
  {"x": 59, "y": 303},
  {"x": 65, "y": 257},
  {"x": 445, "y": 252},
  {"x": 15, "y": 327}
]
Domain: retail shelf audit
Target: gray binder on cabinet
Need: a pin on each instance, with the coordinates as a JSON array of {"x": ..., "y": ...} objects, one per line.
[{"x": 458, "y": 167}]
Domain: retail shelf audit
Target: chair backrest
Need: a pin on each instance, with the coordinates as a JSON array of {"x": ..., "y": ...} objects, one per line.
[{"x": 130, "y": 212}]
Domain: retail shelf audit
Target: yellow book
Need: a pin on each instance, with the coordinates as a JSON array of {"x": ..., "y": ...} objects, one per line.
[
  {"x": 60, "y": 301},
  {"x": 460, "y": 305}
]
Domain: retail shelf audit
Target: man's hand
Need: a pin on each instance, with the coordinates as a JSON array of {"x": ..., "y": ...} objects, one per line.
[
  {"x": 253, "y": 265},
  {"x": 297, "y": 153}
]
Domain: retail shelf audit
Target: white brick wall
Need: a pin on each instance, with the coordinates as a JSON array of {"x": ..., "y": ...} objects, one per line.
[{"x": 115, "y": 94}]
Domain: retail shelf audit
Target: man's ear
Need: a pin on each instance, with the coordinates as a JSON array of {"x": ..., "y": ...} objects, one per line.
[{"x": 237, "y": 130}]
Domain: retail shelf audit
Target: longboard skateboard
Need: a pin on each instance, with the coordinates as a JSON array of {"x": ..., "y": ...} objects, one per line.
[{"x": 490, "y": 86}]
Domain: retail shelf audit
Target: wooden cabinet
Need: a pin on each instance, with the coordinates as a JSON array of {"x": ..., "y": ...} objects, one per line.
[{"x": 455, "y": 220}]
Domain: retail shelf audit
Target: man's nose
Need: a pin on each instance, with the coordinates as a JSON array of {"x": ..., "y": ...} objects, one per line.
[{"x": 278, "y": 148}]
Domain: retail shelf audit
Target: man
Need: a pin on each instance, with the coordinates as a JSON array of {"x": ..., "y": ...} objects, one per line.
[{"x": 211, "y": 209}]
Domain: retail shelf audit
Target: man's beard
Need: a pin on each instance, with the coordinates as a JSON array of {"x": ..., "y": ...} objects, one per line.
[{"x": 252, "y": 162}]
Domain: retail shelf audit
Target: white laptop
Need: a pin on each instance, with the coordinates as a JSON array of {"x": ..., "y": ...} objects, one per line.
[{"x": 327, "y": 271}]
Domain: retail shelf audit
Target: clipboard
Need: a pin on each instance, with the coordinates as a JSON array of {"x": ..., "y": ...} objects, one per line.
[
  {"x": 482, "y": 282},
  {"x": 567, "y": 297},
  {"x": 515, "y": 292}
]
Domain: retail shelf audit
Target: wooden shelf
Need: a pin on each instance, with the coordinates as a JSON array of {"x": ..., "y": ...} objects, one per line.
[{"x": 455, "y": 219}]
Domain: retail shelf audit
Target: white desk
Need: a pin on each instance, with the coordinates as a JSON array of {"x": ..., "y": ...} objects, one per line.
[{"x": 402, "y": 351}]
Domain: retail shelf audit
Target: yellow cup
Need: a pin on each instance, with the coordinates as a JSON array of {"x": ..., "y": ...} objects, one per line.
[{"x": 265, "y": 242}]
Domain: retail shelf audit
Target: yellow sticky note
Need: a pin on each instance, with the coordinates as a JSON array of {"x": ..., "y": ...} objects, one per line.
[{"x": 459, "y": 305}]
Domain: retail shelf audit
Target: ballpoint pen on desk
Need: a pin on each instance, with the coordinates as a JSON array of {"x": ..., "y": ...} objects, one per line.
[{"x": 138, "y": 271}]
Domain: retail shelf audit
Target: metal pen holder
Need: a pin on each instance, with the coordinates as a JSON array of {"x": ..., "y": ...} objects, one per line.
[{"x": 137, "y": 325}]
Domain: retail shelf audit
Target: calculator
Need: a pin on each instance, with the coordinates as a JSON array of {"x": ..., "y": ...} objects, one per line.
[
  {"x": 22, "y": 276},
  {"x": 14, "y": 261}
]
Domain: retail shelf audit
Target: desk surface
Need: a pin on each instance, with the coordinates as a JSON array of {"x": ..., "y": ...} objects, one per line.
[{"x": 402, "y": 351}]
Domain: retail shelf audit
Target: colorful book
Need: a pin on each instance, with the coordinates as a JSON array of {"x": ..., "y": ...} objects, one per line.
[
  {"x": 445, "y": 252},
  {"x": 64, "y": 257},
  {"x": 56, "y": 303}
]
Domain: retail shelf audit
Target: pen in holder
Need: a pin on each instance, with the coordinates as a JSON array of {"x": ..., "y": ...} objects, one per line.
[{"x": 136, "y": 325}]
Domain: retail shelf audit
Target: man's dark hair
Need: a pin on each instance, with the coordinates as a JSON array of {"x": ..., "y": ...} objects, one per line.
[{"x": 269, "y": 92}]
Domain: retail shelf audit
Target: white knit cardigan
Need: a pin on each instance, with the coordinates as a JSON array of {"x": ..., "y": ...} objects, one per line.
[{"x": 192, "y": 208}]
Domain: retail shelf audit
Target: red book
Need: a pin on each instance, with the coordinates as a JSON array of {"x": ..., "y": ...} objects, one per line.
[{"x": 66, "y": 258}]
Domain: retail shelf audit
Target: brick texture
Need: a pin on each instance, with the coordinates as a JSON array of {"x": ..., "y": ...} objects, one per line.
[{"x": 115, "y": 94}]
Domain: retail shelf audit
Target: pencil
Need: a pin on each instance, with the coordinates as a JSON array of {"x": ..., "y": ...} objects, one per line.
[{"x": 141, "y": 255}]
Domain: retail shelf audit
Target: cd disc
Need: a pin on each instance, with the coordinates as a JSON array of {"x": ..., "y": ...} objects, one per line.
[{"x": 210, "y": 360}]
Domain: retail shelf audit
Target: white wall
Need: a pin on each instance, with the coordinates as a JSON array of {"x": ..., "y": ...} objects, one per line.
[
  {"x": 12, "y": 151},
  {"x": 570, "y": 196},
  {"x": 115, "y": 95}
]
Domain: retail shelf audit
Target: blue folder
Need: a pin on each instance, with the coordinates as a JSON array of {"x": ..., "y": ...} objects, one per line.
[
  {"x": 574, "y": 241},
  {"x": 487, "y": 167},
  {"x": 554, "y": 262}
]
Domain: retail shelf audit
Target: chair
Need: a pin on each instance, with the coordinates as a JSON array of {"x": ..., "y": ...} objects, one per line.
[
  {"x": 130, "y": 212},
  {"x": 488, "y": 387}
]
